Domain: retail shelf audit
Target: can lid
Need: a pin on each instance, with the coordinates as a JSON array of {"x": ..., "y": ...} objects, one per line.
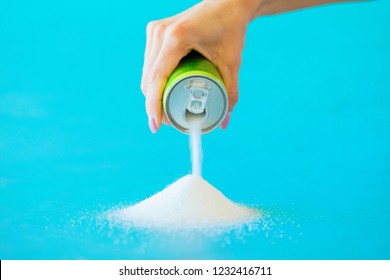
[{"x": 196, "y": 95}]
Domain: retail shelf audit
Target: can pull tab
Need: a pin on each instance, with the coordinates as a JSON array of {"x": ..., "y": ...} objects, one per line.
[{"x": 199, "y": 91}]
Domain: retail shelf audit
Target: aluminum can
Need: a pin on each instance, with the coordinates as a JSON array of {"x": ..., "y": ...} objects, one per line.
[{"x": 195, "y": 89}]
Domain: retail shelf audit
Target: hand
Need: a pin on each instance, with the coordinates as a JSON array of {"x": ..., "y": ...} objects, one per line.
[{"x": 214, "y": 28}]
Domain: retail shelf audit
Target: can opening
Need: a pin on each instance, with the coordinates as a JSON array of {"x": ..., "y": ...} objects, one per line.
[{"x": 189, "y": 116}]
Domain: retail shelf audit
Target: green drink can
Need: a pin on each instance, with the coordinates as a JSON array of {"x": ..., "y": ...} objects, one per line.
[{"x": 195, "y": 89}]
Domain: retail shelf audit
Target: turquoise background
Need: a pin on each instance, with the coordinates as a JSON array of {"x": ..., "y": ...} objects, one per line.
[{"x": 309, "y": 141}]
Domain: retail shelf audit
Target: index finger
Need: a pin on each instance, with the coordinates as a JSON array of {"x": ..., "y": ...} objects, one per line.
[{"x": 168, "y": 58}]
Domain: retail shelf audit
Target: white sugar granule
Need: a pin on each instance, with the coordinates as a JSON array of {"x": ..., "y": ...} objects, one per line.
[{"x": 189, "y": 202}]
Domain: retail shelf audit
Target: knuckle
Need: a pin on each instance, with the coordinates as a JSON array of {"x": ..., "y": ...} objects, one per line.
[
  {"x": 176, "y": 32},
  {"x": 234, "y": 64},
  {"x": 156, "y": 74},
  {"x": 159, "y": 29},
  {"x": 151, "y": 25},
  {"x": 233, "y": 98},
  {"x": 238, "y": 61},
  {"x": 156, "y": 28},
  {"x": 231, "y": 61}
]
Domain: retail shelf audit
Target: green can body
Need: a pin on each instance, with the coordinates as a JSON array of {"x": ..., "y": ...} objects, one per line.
[{"x": 195, "y": 88}]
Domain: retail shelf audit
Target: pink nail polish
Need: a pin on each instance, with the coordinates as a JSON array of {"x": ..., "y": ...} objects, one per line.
[
  {"x": 226, "y": 121},
  {"x": 152, "y": 125}
]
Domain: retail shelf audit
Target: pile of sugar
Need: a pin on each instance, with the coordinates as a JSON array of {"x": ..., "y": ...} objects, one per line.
[{"x": 189, "y": 202}]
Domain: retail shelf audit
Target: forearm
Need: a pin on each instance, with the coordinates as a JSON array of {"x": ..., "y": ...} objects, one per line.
[
  {"x": 257, "y": 8},
  {"x": 271, "y": 7}
]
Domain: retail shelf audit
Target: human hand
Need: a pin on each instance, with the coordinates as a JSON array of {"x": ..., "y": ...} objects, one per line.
[{"x": 216, "y": 29}]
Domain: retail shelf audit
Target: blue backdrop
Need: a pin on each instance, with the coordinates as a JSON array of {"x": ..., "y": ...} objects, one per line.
[{"x": 308, "y": 141}]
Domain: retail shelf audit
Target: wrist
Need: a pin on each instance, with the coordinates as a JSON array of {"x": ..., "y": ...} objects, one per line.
[
  {"x": 247, "y": 9},
  {"x": 256, "y": 8},
  {"x": 252, "y": 8}
]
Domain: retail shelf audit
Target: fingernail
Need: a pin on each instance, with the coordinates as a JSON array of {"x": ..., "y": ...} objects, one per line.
[
  {"x": 226, "y": 121},
  {"x": 152, "y": 125}
]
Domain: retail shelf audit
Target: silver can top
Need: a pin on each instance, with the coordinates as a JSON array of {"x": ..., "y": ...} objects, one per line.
[{"x": 196, "y": 96}]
